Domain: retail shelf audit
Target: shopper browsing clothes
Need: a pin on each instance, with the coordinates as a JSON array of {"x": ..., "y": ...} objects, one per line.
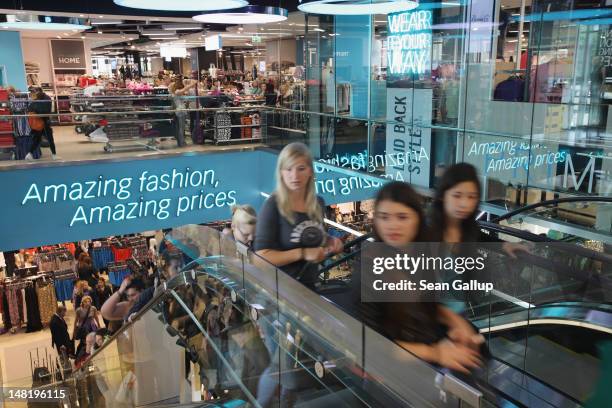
[
  {"x": 290, "y": 232},
  {"x": 102, "y": 292},
  {"x": 60, "y": 338},
  {"x": 41, "y": 105},
  {"x": 81, "y": 289},
  {"x": 86, "y": 270},
  {"x": 86, "y": 321}
]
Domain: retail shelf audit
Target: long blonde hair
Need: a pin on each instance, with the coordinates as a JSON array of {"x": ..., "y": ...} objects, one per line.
[{"x": 288, "y": 156}]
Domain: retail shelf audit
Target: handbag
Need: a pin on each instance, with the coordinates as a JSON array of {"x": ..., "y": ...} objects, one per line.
[
  {"x": 36, "y": 122},
  {"x": 86, "y": 327}
]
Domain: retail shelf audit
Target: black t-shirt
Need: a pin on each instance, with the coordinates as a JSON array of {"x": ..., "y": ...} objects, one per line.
[{"x": 273, "y": 231}]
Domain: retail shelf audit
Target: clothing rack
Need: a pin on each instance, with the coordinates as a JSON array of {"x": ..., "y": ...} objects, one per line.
[{"x": 117, "y": 271}]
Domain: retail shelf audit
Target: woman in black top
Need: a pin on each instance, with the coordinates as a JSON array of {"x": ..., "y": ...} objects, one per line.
[
  {"x": 270, "y": 94},
  {"x": 429, "y": 330},
  {"x": 290, "y": 232},
  {"x": 453, "y": 215},
  {"x": 86, "y": 270}
]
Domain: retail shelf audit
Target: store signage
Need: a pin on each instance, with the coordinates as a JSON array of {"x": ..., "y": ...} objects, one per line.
[
  {"x": 481, "y": 26},
  {"x": 62, "y": 203},
  {"x": 554, "y": 167},
  {"x": 256, "y": 39},
  {"x": 172, "y": 52},
  {"x": 47, "y": 205},
  {"x": 68, "y": 54},
  {"x": 409, "y": 42},
  {"x": 409, "y": 134},
  {"x": 605, "y": 48},
  {"x": 213, "y": 43}
]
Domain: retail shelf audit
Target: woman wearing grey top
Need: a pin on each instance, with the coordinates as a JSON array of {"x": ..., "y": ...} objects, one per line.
[{"x": 290, "y": 232}]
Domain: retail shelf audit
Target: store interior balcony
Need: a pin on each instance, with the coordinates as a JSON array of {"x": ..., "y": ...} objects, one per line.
[{"x": 237, "y": 331}]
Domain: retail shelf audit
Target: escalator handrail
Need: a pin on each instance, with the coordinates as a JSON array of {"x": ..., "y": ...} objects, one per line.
[
  {"x": 546, "y": 203},
  {"x": 489, "y": 226}
]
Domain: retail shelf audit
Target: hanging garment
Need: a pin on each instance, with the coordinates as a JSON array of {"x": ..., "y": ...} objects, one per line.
[
  {"x": 246, "y": 132},
  {"x": 223, "y": 121},
  {"x": 63, "y": 289},
  {"x": 24, "y": 310},
  {"x": 34, "y": 323},
  {"x": 13, "y": 306},
  {"x": 121, "y": 254},
  {"x": 47, "y": 302},
  {"x": 6, "y": 318},
  {"x": 116, "y": 277},
  {"x": 101, "y": 257}
]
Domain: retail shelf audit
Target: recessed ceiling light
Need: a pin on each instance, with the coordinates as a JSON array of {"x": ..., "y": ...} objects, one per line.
[
  {"x": 356, "y": 7},
  {"x": 245, "y": 15},
  {"x": 99, "y": 31},
  {"x": 28, "y": 21},
  {"x": 100, "y": 16},
  {"x": 182, "y": 5}
]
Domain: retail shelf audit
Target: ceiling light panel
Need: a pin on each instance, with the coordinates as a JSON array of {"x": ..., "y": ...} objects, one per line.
[
  {"x": 182, "y": 5},
  {"x": 245, "y": 15},
  {"x": 356, "y": 7}
]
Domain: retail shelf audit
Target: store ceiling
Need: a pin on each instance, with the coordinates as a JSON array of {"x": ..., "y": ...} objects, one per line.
[{"x": 107, "y": 7}]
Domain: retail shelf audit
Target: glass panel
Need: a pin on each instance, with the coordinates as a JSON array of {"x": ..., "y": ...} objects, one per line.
[{"x": 139, "y": 367}]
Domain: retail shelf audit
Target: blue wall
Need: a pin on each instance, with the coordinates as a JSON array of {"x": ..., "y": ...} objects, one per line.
[
  {"x": 68, "y": 202},
  {"x": 11, "y": 58}
]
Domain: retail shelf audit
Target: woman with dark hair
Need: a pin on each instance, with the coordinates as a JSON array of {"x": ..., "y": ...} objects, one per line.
[
  {"x": 453, "y": 216},
  {"x": 86, "y": 270},
  {"x": 429, "y": 330},
  {"x": 41, "y": 105},
  {"x": 270, "y": 94}
]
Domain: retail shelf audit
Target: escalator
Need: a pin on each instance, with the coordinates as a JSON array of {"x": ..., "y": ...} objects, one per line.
[
  {"x": 231, "y": 330},
  {"x": 550, "y": 310}
]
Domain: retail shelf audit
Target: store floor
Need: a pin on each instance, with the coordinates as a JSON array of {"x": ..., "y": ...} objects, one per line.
[
  {"x": 15, "y": 351},
  {"x": 72, "y": 146}
]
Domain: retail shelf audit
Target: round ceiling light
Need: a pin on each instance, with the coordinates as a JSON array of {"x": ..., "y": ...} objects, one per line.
[
  {"x": 356, "y": 7},
  {"x": 245, "y": 15},
  {"x": 182, "y": 5},
  {"x": 47, "y": 23}
]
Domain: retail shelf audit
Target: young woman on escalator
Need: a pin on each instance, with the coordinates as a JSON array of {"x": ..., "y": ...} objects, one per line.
[
  {"x": 429, "y": 330},
  {"x": 290, "y": 233},
  {"x": 453, "y": 215}
]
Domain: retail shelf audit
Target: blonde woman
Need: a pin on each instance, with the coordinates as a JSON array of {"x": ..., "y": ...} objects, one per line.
[
  {"x": 290, "y": 232},
  {"x": 244, "y": 219},
  {"x": 86, "y": 321}
]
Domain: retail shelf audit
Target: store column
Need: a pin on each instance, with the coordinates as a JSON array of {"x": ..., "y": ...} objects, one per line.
[{"x": 12, "y": 69}]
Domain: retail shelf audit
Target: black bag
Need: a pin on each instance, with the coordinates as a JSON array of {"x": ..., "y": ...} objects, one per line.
[{"x": 84, "y": 329}]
